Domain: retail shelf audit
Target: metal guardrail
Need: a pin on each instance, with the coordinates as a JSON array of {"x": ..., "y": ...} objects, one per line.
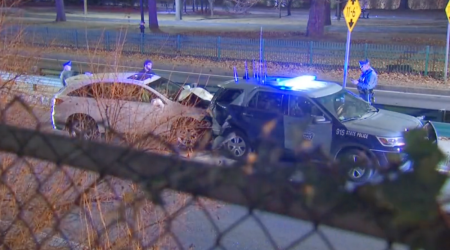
[
  {"x": 30, "y": 79},
  {"x": 425, "y": 60}
]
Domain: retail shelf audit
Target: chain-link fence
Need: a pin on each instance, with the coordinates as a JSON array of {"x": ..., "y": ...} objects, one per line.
[
  {"x": 416, "y": 59},
  {"x": 122, "y": 191}
]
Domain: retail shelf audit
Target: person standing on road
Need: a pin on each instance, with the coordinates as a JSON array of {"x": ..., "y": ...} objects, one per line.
[
  {"x": 367, "y": 81},
  {"x": 68, "y": 72},
  {"x": 142, "y": 27}
]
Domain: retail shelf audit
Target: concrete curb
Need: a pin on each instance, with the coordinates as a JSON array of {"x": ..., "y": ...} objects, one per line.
[{"x": 54, "y": 61}]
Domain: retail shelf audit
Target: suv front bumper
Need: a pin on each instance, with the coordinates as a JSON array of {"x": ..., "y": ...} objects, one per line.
[{"x": 386, "y": 157}]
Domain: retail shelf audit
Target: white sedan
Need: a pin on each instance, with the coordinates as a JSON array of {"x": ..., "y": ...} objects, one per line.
[{"x": 127, "y": 103}]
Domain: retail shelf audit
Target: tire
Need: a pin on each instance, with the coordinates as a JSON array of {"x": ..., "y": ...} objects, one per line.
[
  {"x": 239, "y": 146},
  {"x": 357, "y": 174},
  {"x": 83, "y": 127}
]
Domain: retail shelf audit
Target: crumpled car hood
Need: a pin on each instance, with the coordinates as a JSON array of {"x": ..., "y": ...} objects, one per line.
[{"x": 200, "y": 92}]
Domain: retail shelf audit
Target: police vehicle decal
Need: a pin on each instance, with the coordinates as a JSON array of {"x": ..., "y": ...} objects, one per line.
[
  {"x": 343, "y": 132},
  {"x": 308, "y": 136}
]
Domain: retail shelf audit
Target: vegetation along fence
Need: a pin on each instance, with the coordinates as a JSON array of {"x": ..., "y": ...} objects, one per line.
[{"x": 425, "y": 60}]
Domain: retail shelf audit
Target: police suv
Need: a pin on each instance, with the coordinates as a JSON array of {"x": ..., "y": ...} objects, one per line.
[{"x": 324, "y": 113}]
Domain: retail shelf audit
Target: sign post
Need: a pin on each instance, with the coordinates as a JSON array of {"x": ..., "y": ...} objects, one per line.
[
  {"x": 447, "y": 11},
  {"x": 352, "y": 11}
]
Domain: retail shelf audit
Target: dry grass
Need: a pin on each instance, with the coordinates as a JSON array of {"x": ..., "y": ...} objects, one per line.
[{"x": 48, "y": 206}]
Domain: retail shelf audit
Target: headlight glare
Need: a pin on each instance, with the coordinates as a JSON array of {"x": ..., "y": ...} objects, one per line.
[{"x": 391, "y": 141}]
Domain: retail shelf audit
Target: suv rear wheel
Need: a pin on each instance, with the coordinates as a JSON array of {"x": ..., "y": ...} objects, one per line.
[
  {"x": 359, "y": 173},
  {"x": 83, "y": 127},
  {"x": 238, "y": 146}
]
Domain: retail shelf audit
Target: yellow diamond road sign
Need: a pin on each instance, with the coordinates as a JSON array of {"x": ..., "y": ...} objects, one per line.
[
  {"x": 352, "y": 11},
  {"x": 447, "y": 11}
]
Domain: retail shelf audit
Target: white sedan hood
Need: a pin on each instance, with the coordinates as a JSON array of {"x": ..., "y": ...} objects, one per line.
[{"x": 200, "y": 92}]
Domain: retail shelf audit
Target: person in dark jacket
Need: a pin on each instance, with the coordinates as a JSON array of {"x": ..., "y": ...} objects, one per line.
[
  {"x": 68, "y": 72},
  {"x": 142, "y": 27},
  {"x": 147, "y": 68},
  {"x": 367, "y": 81}
]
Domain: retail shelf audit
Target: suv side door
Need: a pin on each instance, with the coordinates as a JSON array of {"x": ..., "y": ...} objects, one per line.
[
  {"x": 264, "y": 107},
  {"x": 102, "y": 101},
  {"x": 220, "y": 105},
  {"x": 305, "y": 121},
  {"x": 146, "y": 109}
]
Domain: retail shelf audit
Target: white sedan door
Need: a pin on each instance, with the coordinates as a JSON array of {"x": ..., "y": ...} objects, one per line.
[{"x": 147, "y": 111}]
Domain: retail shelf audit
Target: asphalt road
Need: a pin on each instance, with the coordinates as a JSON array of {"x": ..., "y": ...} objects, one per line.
[{"x": 391, "y": 98}]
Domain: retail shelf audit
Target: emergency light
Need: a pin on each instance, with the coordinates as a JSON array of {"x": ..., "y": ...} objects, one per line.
[
  {"x": 297, "y": 83},
  {"x": 300, "y": 83}
]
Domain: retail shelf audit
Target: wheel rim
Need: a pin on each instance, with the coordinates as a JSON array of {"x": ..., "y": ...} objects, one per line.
[
  {"x": 236, "y": 146},
  {"x": 80, "y": 129},
  {"x": 358, "y": 172},
  {"x": 187, "y": 137}
]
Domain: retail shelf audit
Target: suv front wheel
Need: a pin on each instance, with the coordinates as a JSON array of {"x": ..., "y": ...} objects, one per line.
[
  {"x": 238, "y": 146},
  {"x": 358, "y": 172}
]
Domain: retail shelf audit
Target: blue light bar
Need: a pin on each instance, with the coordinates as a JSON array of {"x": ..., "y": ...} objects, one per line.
[{"x": 300, "y": 83}]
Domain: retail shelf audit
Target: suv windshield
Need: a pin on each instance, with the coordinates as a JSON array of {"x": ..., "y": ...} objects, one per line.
[
  {"x": 169, "y": 89},
  {"x": 346, "y": 106}
]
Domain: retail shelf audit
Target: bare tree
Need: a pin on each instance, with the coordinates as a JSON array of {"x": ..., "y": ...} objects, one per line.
[
  {"x": 60, "y": 11},
  {"x": 327, "y": 12},
  {"x": 178, "y": 9},
  {"x": 152, "y": 16},
  {"x": 288, "y": 6},
  {"x": 316, "y": 20},
  {"x": 404, "y": 5},
  {"x": 242, "y": 6},
  {"x": 211, "y": 6}
]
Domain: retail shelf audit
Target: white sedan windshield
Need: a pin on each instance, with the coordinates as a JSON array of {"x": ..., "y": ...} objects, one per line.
[{"x": 167, "y": 88}]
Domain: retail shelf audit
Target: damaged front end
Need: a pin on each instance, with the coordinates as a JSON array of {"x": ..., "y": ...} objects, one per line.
[{"x": 195, "y": 97}]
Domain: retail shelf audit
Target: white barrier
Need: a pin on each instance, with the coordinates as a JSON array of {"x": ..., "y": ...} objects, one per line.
[{"x": 31, "y": 79}]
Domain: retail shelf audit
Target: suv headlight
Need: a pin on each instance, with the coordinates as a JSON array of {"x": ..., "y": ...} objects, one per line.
[{"x": 391, "y": 141}]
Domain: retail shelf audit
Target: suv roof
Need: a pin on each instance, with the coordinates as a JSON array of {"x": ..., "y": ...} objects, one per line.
[
  {"x": 81, "y": 80},
  {"x": 302, "y": 85}
]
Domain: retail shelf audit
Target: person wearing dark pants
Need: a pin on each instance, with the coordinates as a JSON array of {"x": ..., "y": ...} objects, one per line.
[
  {"x": 366, "y": 82},
  {"x": 142, "y": 27}
]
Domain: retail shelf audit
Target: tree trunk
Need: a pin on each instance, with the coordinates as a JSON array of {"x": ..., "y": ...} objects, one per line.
[
  {"x": 316, "y": 20},
  {"x": 403, "y": 5},
  {"x": 177, "y": 10},
  {"x": 152, "y": 16},
  {"x": 289, "y": 5},
  {"x": 211, "y": 7},
  {"x": 327, "y": 12},
  {"x": 60, "y": 11},
  {"x": 141, "y": 3}
]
